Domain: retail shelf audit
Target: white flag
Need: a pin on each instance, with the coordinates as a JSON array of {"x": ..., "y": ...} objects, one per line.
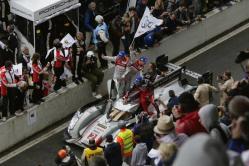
[
  {"x": 147, "y": 23},
  {"x": 67, "y": 41}
]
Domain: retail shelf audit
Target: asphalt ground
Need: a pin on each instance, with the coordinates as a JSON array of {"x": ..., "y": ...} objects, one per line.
[{"x": 216, "y": 60}]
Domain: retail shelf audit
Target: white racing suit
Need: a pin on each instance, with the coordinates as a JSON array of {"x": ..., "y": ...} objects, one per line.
[{"x": 119, "y": 70}]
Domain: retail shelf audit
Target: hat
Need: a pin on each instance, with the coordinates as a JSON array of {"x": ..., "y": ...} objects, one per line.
[
  {"x": 89, "y": 54},
  {"x": 164, "y": 125},
  {"x": 99, "y": 18}
]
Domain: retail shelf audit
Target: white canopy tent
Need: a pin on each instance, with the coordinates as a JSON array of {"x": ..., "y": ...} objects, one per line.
[{"x": 39, "y": 11}]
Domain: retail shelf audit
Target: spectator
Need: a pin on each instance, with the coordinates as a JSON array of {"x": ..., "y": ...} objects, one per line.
[
  {"x": 173, "y": 100},
  {"x": 8, "y": 89},
  {"x": 116, "y": 34},
  {"x": 59, "y": 57},
  {"x": 125, "y": 139},
  {"x": 202, "y": 149},
  {"x": 164, "y": 132},
  {"x": 100, "y": 39},
  {"x": 20, "y": 97},
  {"x": 158, "y": 8},
  {"x": 25, "y": 59},
  {"x": 209, "y": 118},
  {"x": 78, "y": 53},
  {"x": 12, "y": 43},
  {"x": 182, "y": 14},
  {"x": 139, "y": 153},
  {"x": 171, "y": 5},
  {"x": 152, "y": 72},
  {"x": 134, "y": 22},
  {"x": 167, "y": 154},
  {"x": 203, "y": 91},
  {"x": 144, "y": 128},
  {"x": 112, "y": 152},
  {"x": 140, "y": 8},
  {"x": 89, "y": 25},
  {"x": 187, "y": 115},
  {"x": 170, "y": 24},
  {"x": 91, "y": 152},
  {"x": 225, "y": 86},
  {"x": 121, "y": 63},
  {"x": 91, "y": 72},
  {"x": 126, "y": 28},
  {"x": 38, "y": 73}
]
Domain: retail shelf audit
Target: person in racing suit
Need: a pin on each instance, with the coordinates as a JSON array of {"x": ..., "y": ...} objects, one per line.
[
  {"x": 121, "y": 63},
  {"x": 134, "y": 69},
  {"x": 146, "y": 94}
]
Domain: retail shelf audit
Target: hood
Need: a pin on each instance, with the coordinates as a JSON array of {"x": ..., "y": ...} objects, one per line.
[
  {"x": 201, "y": 148},
  {"x": 141, "y": 146},
  {"x": 209, "y": 116},
  {"x": 97, "y": 130}
]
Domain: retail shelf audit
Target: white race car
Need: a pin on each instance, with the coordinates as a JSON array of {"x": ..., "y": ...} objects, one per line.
[{"x": 99, "y": 119}]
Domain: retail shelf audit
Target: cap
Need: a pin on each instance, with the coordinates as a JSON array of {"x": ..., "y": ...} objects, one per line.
[{"x": 89, "y": 54}]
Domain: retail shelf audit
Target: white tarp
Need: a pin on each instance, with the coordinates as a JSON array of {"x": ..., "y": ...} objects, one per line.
[
  {"x": 35, "y": 10},
  {"x": 147, "y": 23}
]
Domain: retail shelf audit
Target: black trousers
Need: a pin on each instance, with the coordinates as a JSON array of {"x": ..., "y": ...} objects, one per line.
[
  {"x": 102, "y": 51},
  {"x": 77, "y": 66},
  {"x": 116, "y": 44},
  {"x": 9, "y": 102},
  {"x": 59, "y": 82},
  {"x": 19, "y": 102},
  {"x": 37, "y": 91}
]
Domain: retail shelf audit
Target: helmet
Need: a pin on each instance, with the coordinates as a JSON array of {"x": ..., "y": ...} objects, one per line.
[
  {"x": 138, "y": 80},
  {"x": 62, "y": 153},
  {"x": 121, "y": 54},
  {"x": 143, "y": 59},
  {"x": 89, "y": 54},
  {"x": 149, "y": 39}
]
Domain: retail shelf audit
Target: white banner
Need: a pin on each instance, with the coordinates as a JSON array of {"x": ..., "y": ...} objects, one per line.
[
  {"x": 147, "y": 23},
  {"x": 18, "y": 69},
  {"x": 67, "y": 41}
]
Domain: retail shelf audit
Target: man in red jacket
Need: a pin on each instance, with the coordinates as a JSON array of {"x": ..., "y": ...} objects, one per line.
[
  {"x": 187, "y": 115},
  {"x": 8, "y": 89}
]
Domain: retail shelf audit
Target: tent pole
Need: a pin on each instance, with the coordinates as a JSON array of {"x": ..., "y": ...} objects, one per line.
[
  {"x": 34, "y": 35},
  {"x": 78, "y": 18}
]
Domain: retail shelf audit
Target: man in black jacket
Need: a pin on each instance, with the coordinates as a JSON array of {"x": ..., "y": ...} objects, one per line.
[
  {"x": 112, "y": 152},
  {"x": 78, "y": 53}
]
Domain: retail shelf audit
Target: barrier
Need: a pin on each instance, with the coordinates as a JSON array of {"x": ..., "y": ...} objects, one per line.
[{"x": 58, "y": 106}]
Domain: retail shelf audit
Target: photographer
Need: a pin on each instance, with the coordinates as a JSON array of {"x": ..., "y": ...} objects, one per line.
[
  {"x": 91, "y": 72},
  {"x": 225, "y": 84}
]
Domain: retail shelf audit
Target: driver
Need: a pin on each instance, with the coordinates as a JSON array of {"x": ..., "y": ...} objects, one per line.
[{"x": 146, "y": 94}]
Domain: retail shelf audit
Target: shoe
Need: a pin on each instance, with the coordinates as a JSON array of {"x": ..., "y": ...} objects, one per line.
[
  {"x": 4, "y": 119},
  {"x": 98, "y": 96},
  {"x": 42, "y": 100},
  {"x": 19, "y": 113},
  {"x": 94, "y": 94},
  {"x": 75, "y": 81},
  {"x": 81, "y": 80}
]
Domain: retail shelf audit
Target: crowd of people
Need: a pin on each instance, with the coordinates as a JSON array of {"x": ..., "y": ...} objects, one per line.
[{"x": 192, "y": 130}]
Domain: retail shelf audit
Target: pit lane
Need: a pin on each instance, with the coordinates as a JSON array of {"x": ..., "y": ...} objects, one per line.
[{"x": 216, "y": 59}]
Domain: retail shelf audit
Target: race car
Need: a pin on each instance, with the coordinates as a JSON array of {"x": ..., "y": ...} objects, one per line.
[{"x": 104, "y": 117}]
